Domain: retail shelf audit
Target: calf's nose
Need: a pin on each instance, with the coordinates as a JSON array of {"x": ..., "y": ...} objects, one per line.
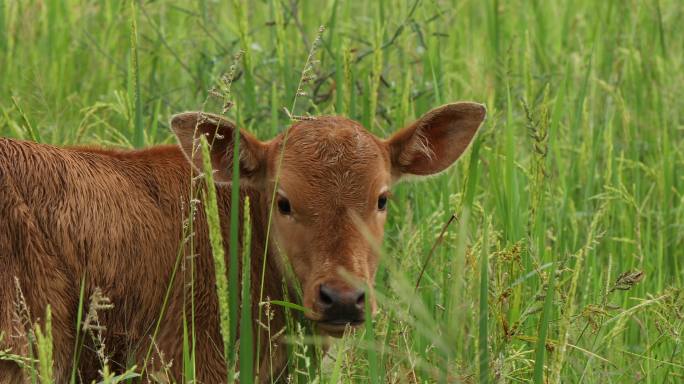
[{"x": 341, "y": 305}]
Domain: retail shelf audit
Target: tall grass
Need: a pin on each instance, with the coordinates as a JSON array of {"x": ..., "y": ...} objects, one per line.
[
  {"x": 571, "y": 190},
  {"x": 220, "y": 271}
]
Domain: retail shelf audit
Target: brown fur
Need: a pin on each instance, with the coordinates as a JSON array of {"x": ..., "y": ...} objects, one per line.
[{"x": 115, "y": 219}]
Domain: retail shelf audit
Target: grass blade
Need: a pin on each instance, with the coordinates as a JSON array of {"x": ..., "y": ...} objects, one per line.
[
  {"x": 484, "y": 308},
  {"x": 216, "y": 239},
  {"x": 44, "y": 346},
  {"x": 32, "y": 133},
  {"x": 138, "y": 129},
  {"x": 544, "y": 326},
  {"x": 78, "y": 344},
  {"x": 246, "y": 337}
]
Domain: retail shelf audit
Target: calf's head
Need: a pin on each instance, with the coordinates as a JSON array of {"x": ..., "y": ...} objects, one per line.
[{"x": 332, "y": 180}]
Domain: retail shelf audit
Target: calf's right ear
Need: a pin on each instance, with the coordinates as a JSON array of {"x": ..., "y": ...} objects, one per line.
[{"x": 220, "y": 134}]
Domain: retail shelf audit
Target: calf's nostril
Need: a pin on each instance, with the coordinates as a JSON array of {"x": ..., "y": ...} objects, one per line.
[
  {"x": 341, "y": 305},
  {"x": 361, "y": 300},
  {"x": 325, "y": 295}
]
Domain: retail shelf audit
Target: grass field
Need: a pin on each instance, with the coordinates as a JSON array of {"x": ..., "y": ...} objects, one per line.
[{"x": 566, "y": 260}]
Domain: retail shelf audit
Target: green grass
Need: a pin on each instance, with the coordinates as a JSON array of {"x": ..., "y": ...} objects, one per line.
[{"x": 575, "y": 179}]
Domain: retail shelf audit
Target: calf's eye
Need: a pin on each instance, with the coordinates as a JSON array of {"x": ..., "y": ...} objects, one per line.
[
  {"x": 284, "y": 206},
  {"x": 382, "y": 202}
]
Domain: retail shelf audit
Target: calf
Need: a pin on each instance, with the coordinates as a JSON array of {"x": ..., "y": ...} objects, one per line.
[{"x": 115, "y": 221}]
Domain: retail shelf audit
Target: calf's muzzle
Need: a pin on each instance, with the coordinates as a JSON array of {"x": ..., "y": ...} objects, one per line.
[{"x": 340, "y": 305}]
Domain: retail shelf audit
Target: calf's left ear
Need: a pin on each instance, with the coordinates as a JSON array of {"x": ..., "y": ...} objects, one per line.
[
  {"x": 436, "y": 140},
  {"x": 220, "y": 134}
]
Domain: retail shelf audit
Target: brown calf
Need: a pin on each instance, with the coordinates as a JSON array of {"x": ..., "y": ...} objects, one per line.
[{"x": 116, "y": 220}]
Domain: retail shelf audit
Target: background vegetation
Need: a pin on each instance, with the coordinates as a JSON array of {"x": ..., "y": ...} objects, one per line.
[{"x": 565, "y": 261}]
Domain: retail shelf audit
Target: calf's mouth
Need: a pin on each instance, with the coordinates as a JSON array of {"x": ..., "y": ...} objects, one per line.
[{"x": 338, "y": 328}]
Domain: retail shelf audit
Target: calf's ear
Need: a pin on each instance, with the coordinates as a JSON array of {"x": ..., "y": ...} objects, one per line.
[
  {"x": 220, "y": 134},
  {"x": 436, "y": 140}
]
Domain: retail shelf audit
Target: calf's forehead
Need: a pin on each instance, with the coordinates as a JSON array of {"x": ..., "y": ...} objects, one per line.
[{"x": 334, "y": 154}]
